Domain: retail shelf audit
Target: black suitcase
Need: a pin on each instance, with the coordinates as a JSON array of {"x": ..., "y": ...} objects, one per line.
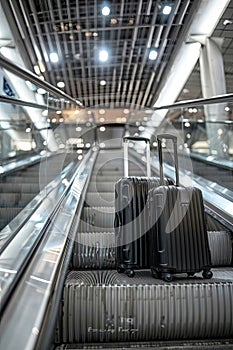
[
  {"x": 179, "y": 240},
  {"x": 131, "y": 215}
]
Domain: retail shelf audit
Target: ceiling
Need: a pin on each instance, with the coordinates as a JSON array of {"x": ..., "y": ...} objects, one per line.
[{"x": 76, "y": 30}]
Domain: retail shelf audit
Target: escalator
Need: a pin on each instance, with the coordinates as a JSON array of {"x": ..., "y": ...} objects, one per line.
[
  {"x": 102, "y": 308},
  {"x": 214, "y": 173},
  {"x": 20, "y": 187}
]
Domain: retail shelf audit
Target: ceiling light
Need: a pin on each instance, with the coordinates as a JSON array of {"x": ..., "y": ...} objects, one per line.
[
  {"x": 45, "y": 113},
  {"x": 166, "y": 10},
  {"x": 95, "y": 34},
  {"x": 102, "y": 82},
  {"x": 60, "y": 84},
  {"x": 37, "y": 69},
  {"x": 105, "y": 11},
  {"x": 41, "y": 91},
  {"x": 41, "y": 65},
  {"x": 103, "y": 55},
  {"x": 58, "y": 112},
  {"x": 226, "y": 22},
  {"x": 153, "y": 55},
  {"x": 102, "y": 111},
  {"x": 113, "y": 21},
  {"x": 53, "y": 57}
]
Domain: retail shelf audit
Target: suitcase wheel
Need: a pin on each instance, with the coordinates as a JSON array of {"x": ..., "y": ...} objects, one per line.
[
  {"x": 130, "y": 273},
  {"x": 120, "y": 269},
  {"x": 167, "y": 277},
  {"x": 207, "y": 274}
]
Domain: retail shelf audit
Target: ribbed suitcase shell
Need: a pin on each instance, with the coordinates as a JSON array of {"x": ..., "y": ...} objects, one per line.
[
  {"x": 220, "y": 244},
  {"x": 106, "y": 306},
  {"x": 179, "y": 237},
  {"x": 131, "y": 221},
  {"x": 94, "y": 250}
]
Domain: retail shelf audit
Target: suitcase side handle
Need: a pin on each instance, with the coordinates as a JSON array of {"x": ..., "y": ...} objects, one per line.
[
  {"x": 160, "y": 151},
  {"x": 126, "y": 140}
]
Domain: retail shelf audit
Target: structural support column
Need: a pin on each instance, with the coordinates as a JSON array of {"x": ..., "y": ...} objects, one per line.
[{"x": 213, "y": 84}]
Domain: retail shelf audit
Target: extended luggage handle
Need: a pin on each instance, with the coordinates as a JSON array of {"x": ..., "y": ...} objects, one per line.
[
  {"x": 126, "y": 140},
  {"x": 160, "y": 151}
]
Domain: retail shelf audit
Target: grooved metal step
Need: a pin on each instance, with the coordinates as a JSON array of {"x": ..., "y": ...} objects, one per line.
[{"x": 107, "y": 306}]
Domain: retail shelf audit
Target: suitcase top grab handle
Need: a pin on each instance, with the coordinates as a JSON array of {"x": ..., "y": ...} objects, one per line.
[
  {"x": 160, "y": 151},
  {"x": 126, "y": 140}
]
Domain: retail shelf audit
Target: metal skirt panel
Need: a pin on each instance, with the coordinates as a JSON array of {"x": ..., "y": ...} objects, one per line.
[{"x": 129, "y": 311}]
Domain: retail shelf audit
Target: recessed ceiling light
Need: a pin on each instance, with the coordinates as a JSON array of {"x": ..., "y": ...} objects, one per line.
[
  {"x": 60, "y": 84},
  {"x": 166, "y": 10},
  {"x": 226, "y": 22},
  {"x": 105, "y": 10},
  {"x": 113, "y": 21},
  {"x": 102, "y": 111},
  {"x": 41, "y": 91},
  {"x": 153, "y": 55},
  {"x": 103, "y": 55},
  {"x": 37, "y": 69},
  {"x": 53, "y": 57},
  {"x": 102, "y": 82}
]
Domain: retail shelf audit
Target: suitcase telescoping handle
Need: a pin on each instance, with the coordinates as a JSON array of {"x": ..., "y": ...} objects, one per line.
[
  {"x": 160, "y": 150},
  {"x": 126, "y": 140}
]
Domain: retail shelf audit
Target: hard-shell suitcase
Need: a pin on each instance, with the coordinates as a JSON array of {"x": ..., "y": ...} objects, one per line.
[
  {"x": 131, "y": 216},
  {"x": 179, "y": 240}
]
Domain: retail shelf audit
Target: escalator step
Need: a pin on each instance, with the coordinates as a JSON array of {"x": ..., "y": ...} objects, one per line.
[
  {"x": 91, "y": 246},
  {"x": 21, "y": 179},
  {"x": 18, "y": 187},
  {"x": 94, "y": 250},
  {"x": 103, "y": 199},
  {"x": 220, "y": 244},
  {"x": 8, "y": 214},
  {"x": 213, "y": 344},
  {"x": 101, "y": 186},
  {"x": 106, "y": 178},
  {"x": 104, "y": 306},
  {"x": 97, "y": 219},
  {"x": 9, "y": 199}
]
